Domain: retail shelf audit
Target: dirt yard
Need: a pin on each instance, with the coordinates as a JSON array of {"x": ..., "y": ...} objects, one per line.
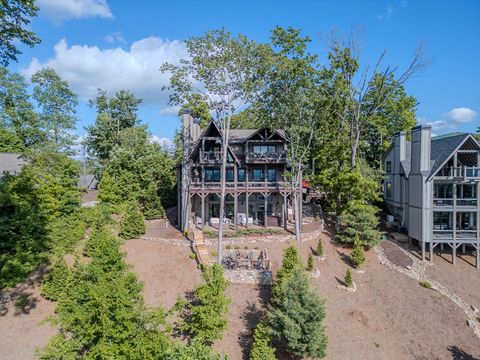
[{"x": 390, "y": 316}]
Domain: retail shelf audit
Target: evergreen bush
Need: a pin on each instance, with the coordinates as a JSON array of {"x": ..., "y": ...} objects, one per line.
[
  {"x": 319, "y": 249},
  {"x": 261, "y": 347},
  {"x": 205, "y": 317},
  {"x": 348, "y": 278},
  {"x": 357, "y": 256},
  {"x": 56, "y": 281},
  {"x": 132, "y": 224},
  {"x": 309, "y": 263},
  {"x": 296, "y": 316},
  {"x": 152, "y": 205}
]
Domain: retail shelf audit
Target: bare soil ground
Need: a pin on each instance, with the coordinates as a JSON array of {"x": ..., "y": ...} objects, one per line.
[
  {"x": 390, "y": 316},
  {"x": 22, "y": 331}
]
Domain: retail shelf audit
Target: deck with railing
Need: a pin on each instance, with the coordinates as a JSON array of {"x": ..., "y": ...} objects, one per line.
[
  {"x": 460, "y": 202},
  {"x": 460, "y": 172}
]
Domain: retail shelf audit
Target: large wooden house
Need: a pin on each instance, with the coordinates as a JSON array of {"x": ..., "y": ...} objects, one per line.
[{"x": 256, "y": 191}]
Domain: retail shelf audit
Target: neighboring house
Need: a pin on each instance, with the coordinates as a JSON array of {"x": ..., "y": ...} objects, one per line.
[
  {"x": 255, "y": 189},
  {"x": 11, "y": 163},
  {"x": 87, "y": 182},
  {"x": 432, "y": 185}
]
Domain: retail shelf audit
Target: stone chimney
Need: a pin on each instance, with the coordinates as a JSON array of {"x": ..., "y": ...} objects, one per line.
[{"x": 190, "y": 127}]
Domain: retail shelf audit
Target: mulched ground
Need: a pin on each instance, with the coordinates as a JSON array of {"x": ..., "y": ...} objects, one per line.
[{"x": 395, "y": 255}]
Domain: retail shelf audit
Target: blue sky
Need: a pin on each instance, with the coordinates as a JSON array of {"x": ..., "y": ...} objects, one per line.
[{"x": 121, "y": 44}]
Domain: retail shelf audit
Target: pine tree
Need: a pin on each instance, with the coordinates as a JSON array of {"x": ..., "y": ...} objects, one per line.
[
  {"x": 132, "y": 224},
  {"x": 348, "y": 278},
  {"x": 108, "y": 190},
  {"x": 205, "y": 318},
  {"x": 319, "y": 249},
  {"x": 296, "y": 317},
  {"x": 291, "y": 261},
  {"x": 56, "y": 281},
  {"x": 360, "y": 223},
  {"x": 309, "y": 263},
  {"x": 262, "y": 348},
  {"x": 152, "y": 205},
  {"x": 101, "y": 314},
  {"x": 357, "y": 256}
]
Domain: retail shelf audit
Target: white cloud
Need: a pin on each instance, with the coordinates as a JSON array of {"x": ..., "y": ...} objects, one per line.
[
  {"x": 87, "y": 68},
  {"x": 58, "y": 10},
  {"x": 461, "y": 115},
  {"x": 438, "y": 124},
  {"x": 170, "y": 110},
  {"x": 165, "y": 143},
  {"x": 115, "y": 37}
]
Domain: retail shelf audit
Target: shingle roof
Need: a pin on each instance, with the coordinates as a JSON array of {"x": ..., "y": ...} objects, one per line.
[
  {"x": 11, "y": 163},
  {"x": 241, "y": 134},
  {"x": 442, "y": 147}
]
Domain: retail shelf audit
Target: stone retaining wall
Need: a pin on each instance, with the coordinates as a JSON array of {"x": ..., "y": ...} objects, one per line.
[{"x": 260, "y": 277}]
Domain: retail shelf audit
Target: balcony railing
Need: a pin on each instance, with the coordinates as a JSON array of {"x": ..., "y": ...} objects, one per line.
[
  {"x": 448, "y": 202},
  {"x": 465, "y": 172},
  {"x": 210, "y": 156},
  {"x": 252, "y": 157},
  {"x": 253, "y": 185},
  {"x": 447, "y": 234}
]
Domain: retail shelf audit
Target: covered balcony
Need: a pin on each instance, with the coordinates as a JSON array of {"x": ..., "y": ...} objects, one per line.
[
  {"x": 466, "y": 195},
  {"x": 464, "y": 228}
]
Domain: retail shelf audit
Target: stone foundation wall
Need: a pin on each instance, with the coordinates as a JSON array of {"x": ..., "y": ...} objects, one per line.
[{"x": 260, "y": 277}]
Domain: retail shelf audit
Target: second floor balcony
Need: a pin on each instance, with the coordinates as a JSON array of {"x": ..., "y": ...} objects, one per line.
[{"x": 266, "y": 157}]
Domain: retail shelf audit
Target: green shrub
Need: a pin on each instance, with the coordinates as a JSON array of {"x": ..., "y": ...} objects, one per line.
[
  {"x": 426, "y": 284},
  {"x": 261, "y": 347},
  {"x": 319, "y": 249},
  {"x": 214, "y": 253},
  {"x": 309, "y": 263},
  {"x": 228, "y": 247},
  {"x": 22, "y": 302},
  {"x": 192, "y": 256},
  {"x": 348, "y": 278},
  {"x": 205, "y": 317},
  {"x": 360, "y": 224},
  {"x": 55, "y": 282},
  {"x": 108, "y": 190},
  {"x": 296, "y": 315},
  {"x": 290, "y": 263},
  {"x": 152, "y": 205},
  {"x": 133, "y": 223},
  {"x": 357, "y": 256}
]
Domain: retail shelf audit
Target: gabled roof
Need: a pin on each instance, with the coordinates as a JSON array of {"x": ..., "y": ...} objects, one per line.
[{"x": 443, "y": 147}]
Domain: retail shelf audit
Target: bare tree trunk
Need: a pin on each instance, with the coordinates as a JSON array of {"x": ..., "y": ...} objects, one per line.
[
  {"x": 223, "y": 173},
  {"x": 296, "y": 204}
]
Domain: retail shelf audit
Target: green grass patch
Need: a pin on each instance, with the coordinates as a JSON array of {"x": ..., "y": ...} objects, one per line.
[{"x": 426, "y": 284}]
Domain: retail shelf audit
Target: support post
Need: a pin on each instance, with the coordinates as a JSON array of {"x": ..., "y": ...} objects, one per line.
[
  {"x": 423, "y": 250},
  {"x": 265, "y": 202},
  {"x": 203, "y": 210},
  {"x": 454, "y": 254},
  {"x": 477, "y": 251},
  {"x": 430, "y": 257}
]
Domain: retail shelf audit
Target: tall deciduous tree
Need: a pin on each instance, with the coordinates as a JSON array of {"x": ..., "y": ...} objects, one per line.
[
  {"x": 224, "y": 70},
  {"x": 113, "y": 115},
  {"x": 15, "y": 16},
  {"x": 57, "y": 105},
  {"x": 17, "y": 115},
  {"x": 289, "y": 101}
]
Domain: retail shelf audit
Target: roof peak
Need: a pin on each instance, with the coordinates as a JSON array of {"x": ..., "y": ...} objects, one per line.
[{"x": 448, "y": 135}]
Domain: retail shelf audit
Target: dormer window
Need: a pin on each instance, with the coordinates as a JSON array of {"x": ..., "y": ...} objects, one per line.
[{"x": 264, "y": 149}]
